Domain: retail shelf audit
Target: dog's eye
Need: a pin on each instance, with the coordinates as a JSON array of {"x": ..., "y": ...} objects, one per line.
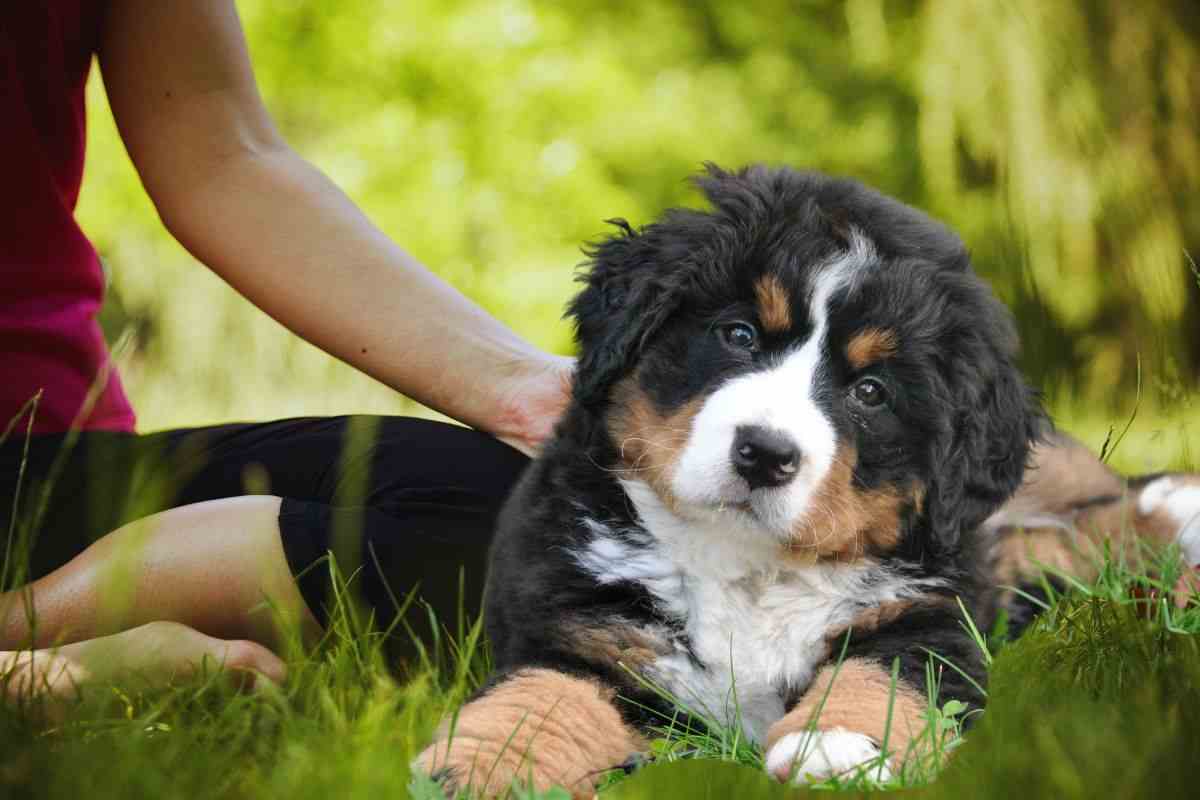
[
  {"x": 741, "y": 336},
  {"x": 869, "y": 392}
]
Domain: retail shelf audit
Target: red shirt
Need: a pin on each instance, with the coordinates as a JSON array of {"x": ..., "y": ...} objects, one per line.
[{"x": 51, "y": 283}]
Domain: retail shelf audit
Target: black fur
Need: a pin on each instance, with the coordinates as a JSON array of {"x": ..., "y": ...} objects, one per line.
[{"x": 961, "y": 424}]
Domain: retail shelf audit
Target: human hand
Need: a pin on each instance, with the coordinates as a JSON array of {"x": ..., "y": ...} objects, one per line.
[{"x": 534, "y": 398}]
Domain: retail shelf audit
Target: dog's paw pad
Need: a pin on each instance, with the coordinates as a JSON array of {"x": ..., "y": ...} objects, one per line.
[
  {"x": 810, "y": 757},
  {"x": 1178, "y": 498}
]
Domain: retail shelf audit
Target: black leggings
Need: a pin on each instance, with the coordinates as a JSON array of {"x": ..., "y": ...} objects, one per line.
[{"x": 414, "y": 500}]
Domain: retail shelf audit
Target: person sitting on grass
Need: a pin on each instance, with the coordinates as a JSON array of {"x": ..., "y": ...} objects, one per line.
[{"x": 143, "y": 553}]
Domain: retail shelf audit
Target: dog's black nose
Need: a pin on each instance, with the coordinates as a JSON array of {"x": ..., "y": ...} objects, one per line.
[{"x": 764, "y": 457}]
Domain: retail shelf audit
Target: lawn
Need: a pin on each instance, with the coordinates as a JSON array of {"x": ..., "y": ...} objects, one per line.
[
  {"x": 1058, "y": 138},
  {"x": 1100, "y": 698}
]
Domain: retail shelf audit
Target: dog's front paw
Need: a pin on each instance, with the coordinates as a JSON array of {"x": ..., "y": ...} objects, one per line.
[
  {"x": 1177, "y": 499},
  {"x": 427, "y": 770},
  {"x": 810, "y": 757}
]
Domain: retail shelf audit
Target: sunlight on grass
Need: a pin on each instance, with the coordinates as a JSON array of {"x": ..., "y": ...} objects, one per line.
[
  {"x": 1061, "y": 141},
  {"x": 1100, "y": 698}
]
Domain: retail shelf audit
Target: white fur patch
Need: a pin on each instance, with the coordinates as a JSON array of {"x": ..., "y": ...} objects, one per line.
[
  {"x": 755, "y": 623},
  {"x": 809, "y": 757},
  {"x": 782, "y": 399},
  {"x": 1180, "y": 501}
]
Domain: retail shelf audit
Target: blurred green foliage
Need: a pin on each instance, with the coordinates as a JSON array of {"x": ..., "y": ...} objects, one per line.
[{"x": 491, "y": 139}]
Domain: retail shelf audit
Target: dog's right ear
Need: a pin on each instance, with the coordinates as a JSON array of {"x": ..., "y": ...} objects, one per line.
[{"x": 629, "y": 294}]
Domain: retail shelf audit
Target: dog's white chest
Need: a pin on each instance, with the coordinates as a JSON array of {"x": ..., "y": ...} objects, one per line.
[
  {"x": 748, "y": 642},
  {"x": 753, "y": 626}
]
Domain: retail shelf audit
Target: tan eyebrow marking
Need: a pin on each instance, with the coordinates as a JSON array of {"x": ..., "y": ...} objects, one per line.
[
  {"x": 774, "y": 305},
  {"x": 870, "y": 346}
]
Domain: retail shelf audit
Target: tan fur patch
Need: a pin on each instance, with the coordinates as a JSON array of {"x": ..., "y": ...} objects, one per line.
[
  {"x": 1158, "y": 528},
  {"x": 1062, "y": 473},
  {"x": 869, "y": 346},
  {"x": 881, "y": 614},
  {"x": 867, "y": 620},
  {"x": 842, "y": 521},
  {"x": 857, "y": 701},
  {"x": 774, "y": 304},
  {"x": 649, "y": 443},
  {"x": 1120, "y": 525},
  {"x": 540, "y": 728},
  {"x": 1078, "y": 547},
  {"x": 917, "y": 495},
  {"x": 1022, "y": 553},
  {"x": 1043, "y": 522},
  {"x": 627, "y": 645},
  {"x": 1077, "y": 543},
  {"x": 1129, "y": 533},
  {"x": 874, "y": 618}
]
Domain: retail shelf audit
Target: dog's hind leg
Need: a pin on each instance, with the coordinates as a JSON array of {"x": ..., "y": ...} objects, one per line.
[
  {"x": 535, "y": 728},
  {"x": 1071, "y": 508}
]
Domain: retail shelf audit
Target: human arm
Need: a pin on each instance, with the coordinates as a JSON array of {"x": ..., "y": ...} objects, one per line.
[{"x": 229, "y": 188}]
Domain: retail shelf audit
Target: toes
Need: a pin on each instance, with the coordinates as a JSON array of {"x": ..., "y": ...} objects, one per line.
[
  {"x": 810, "y": 757},
  {"x": 444, "y": 776},
  {"x": 241, "y": 656},
  {"x": 28, "y": 675}
]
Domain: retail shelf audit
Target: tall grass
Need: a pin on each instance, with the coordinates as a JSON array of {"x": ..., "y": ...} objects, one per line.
[
  {"x": 495, "y": 187},
  {"x": 1101, "y": 697}
]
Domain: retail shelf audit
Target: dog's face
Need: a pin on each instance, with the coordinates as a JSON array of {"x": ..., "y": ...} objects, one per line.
[{"x": 810, "y": 361}]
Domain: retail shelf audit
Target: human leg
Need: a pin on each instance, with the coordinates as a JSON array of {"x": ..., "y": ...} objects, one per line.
[
  {"x": 77, "y": 493},
  {"x": 403, "y": 503},
  {"x": 216, "y": 566},
  {"x": 415, "y": 500}
]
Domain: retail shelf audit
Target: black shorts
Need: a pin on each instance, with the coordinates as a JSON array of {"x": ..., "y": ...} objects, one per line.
[{"x": 416, "y": 499}]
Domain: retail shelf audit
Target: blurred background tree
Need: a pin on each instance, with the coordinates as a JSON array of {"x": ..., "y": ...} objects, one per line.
[{"x": 1061, "y": 139}]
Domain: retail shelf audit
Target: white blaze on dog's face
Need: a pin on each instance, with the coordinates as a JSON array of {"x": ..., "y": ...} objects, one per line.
[
  {"x": 771, "y": 407},
  {"x": 810, "y": 364},
  {"x": 761, "y": 442}
]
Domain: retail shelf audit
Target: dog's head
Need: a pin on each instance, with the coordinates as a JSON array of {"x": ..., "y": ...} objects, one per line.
[{"x": 809, "y": 359}]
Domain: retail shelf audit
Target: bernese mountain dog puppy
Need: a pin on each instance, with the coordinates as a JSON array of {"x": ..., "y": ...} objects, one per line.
[{"x": 793, "y": 416}]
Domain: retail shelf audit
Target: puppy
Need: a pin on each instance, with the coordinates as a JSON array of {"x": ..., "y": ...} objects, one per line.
[{"x": 792, "y": 416}]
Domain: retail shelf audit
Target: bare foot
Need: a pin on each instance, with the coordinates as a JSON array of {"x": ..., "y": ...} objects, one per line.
[
  {"x": 153, "y": 655},
  {"x": 31, "y": 674}
]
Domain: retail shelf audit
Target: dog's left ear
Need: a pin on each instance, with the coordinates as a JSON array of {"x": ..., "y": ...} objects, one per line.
[
  {"x": 630, "y": 291},
  {"x": 979, "y": 457}
]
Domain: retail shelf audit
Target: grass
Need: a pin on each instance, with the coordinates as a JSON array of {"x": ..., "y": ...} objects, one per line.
[
  {"x": 1098, "y": 699},
  {"x": 1101, "y": 697}
]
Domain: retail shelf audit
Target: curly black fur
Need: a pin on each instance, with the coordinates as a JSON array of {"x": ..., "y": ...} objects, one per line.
[{"x": 962, "y": 423}]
